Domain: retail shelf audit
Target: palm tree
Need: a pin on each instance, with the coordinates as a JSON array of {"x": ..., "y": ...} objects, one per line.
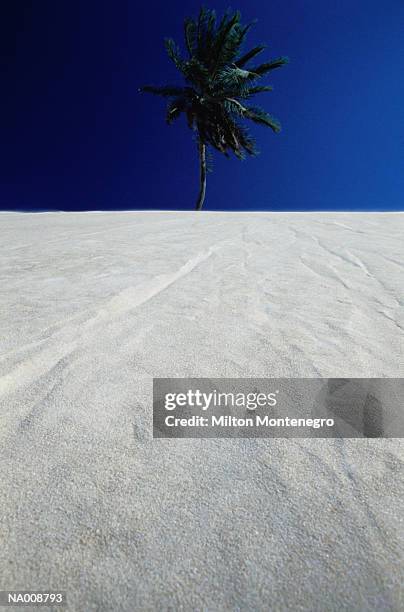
[{"x": 219, "y": 82}]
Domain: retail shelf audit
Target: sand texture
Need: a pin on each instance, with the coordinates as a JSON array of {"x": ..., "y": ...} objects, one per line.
[{"x": 92, "y": 306}]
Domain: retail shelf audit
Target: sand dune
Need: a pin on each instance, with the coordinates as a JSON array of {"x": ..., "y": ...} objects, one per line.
[{"x": 92, "y": 307}]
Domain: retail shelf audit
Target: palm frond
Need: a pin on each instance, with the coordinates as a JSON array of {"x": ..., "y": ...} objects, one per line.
[
  {"x": 249, "y": 56},
  {"x": 272, "y": 65},
  {"x": 175, "y": 108},
  {"x": 202, "y": 27},
  {"x": 239, "y": 139},
  {"x": 231, "y": 75},
  {"x": 210, "y": 31},
  {"x": 191, "y": 36},
  {"x": 174, "y": 53},
  {"x": 195, "y": 72},
  {"x": 233, "y": 43},
  {"x": 166, "y": 91},
  {"x": 246, "y": 140},
  {"x": 258, "y": 115},
  {"x": 259, "y": 89},
  {"x": 227, "y": 39}
]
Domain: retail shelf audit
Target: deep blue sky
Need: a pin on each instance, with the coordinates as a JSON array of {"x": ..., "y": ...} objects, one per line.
[{"x": 75, "y": 134}]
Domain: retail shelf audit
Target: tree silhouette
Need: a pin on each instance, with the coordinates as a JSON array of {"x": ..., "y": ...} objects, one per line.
[{"x": 219, "y": 83}]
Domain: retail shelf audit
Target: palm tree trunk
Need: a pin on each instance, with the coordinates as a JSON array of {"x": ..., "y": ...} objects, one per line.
[{"x": 202, "y": 169}]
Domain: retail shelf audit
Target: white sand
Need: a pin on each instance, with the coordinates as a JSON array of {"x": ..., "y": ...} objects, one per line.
[{"x": 92, "y": 306}]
